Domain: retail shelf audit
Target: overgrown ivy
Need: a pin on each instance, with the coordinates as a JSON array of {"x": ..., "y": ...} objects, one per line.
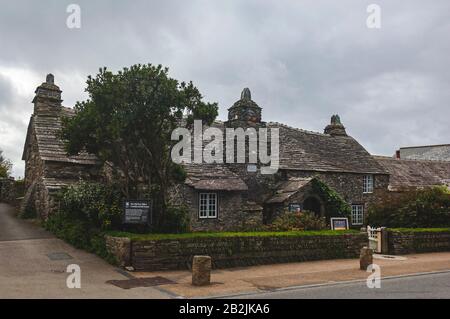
[{"x": 335, "y": 205}]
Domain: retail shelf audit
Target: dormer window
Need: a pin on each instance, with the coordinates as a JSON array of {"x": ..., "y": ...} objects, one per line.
[{"x": 368, "y": 184}]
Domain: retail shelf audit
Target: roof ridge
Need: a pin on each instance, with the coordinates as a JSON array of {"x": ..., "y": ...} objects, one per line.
[
  {"x": 423, "y": 146},
  {"x": 297, "y": 129},
  {"x": 410, "y": 159}
]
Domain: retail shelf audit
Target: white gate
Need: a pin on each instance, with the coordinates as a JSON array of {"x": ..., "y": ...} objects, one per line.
[{"x": 374, "y": 235}]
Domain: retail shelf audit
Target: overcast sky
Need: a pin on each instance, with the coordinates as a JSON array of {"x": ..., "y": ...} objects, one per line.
[{"x": 302, "y": 60}]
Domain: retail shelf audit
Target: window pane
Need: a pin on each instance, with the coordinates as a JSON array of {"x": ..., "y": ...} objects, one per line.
[
  {"x": 368, "y": 183},
  {"x": 208, "y": 205},
  {"x": 357, "y": 214}
]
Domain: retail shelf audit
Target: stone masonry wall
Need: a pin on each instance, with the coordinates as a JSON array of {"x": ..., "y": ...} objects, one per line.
[
  {"x": 349, "y": 185},
  {"x": 243, "y": 251},
  {"x": 7, "y": 190},
  {"x": 231, "y": 216},
  {"x": 120, "y": 248},
  {"x": 401, "y": 243}
]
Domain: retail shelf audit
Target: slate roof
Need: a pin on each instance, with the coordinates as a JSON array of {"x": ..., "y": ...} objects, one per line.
[
  {"x": 213, "y": 177},
  {"x": 46, "y": 126},
  {"x": 427, "y": 152},
  {"x": 415, "y": 173},
  {"x": 311, "y": 151},
  {"x": 288, "y": 188}
]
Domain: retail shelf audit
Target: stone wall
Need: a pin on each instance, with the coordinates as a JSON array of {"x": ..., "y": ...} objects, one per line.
[
  {"x": 243, "y": 251},
  {"x": 231, "y": 214},
  {"x": 120, "y": 248},
  {"x": 349, "y": 185},
  {"x": 71, "y": 171},
  {"x": 7, "y": 190},
  {"x": 401, "y": 243}
]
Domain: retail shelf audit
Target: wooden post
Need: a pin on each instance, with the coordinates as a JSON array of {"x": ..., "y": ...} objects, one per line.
[{"x": 201, "y": 270}]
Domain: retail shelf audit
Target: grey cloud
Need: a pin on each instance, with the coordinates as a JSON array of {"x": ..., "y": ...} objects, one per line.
[
  {"x": 303, "y": 60},
  {"x": 5, "y": 92}
]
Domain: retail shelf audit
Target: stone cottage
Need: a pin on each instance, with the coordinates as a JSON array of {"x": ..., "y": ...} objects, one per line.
[
  {"x": 426, "y": 152},
  {"x": 238, "y": 196},
  {"x": 227, "y": 196},
  {"x": 47, "y": 166}
]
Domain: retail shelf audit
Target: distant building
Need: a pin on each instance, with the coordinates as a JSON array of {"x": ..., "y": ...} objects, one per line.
[
  {"x": 427, "y": 152},
  {"x": 406, "y": 173}
]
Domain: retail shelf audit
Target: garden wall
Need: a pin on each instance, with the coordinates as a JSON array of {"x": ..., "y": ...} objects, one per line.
[
  {"x": 243, "y": 251},
  {"x": 410, "y": 242},
  {"x": 10, "y": 190}
]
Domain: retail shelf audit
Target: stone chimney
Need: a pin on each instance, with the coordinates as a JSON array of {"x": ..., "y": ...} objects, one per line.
[
  {"x": 244, "y": 112},
  {"x": 335, "y": 128},
  {"x": 48, "y": 96}
]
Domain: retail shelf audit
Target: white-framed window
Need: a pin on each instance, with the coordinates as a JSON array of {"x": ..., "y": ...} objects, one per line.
[
  {"x": 207, "y": 205},
  {"x": 368, "y": 184},
  {"x": 357, "y": 214}
]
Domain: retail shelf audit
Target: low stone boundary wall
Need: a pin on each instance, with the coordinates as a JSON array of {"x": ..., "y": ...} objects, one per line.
[
  {"x": 120, "y": 248},
  {"x": 240, "y": 251},
  {"x": 7, "y": 190},
  {"x": 401, "y": 243}
]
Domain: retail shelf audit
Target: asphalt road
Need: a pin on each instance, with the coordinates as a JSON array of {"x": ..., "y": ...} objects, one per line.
[
  {"x": 33, "y": 264},
  {"x": 433, "y": 286},
  {"x": 12, "y": 228}
]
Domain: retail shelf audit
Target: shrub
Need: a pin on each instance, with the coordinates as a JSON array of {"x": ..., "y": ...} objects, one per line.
[
  {"x": 29, "y": 212},
  {"x": 97, "y": 205},
  {"x": 175, "y": 220},
  {"x": 428, "y": 207},
  {"x": 86, "y": 210},
  {"x": 292, "y": 221},
  {"x": 335, "y": 205},
  {"x": 19, "y": 187},
  {"x": 79, "y": 234}
]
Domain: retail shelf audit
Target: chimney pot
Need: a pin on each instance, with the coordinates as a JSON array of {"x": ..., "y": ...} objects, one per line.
[{"x": 50, "y": 79}]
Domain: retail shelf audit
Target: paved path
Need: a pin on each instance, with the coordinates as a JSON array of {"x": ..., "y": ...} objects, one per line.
[
  {"x": 431, "y": 286},
  {"x": 269, "y": 278},
  {"x": 27, "y": 271},
  {"x": 12, "y": 228}
]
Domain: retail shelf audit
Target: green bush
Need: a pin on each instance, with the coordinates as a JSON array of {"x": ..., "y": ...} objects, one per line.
[
  {"x": 97, "y": 205},
  {"x": 335, "y": 205},
  {"x": 86, "y": 210},
  {"x": 79, "y": 234},
  {"x": 28, "y": 213},
  {"x": 19, "y": 187},
  {"x": 293, "y": 221},
  {"x": 422, "y": 208},
  {"x": 176, "y": 220}
]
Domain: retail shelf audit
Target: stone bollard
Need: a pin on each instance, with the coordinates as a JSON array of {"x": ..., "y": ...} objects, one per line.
[
  {"x": 365, "y": 258},
  {"x": 201, "y": 271}
]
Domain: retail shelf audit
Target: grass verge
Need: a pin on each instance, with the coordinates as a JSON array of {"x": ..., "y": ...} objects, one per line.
[
  {"x": 143, "y": 237},
  {"x": 420, "y": 230}
]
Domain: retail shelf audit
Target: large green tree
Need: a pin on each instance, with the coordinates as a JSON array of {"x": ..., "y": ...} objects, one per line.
[
  {"x": 5, "y": 166},
  {"x": 127, "y": 122}
]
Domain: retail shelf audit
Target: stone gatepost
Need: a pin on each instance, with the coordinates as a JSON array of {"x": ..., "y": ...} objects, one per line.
[
  {"x": 201, "y": 270},
  {"x": 365, "y": 258},
  {"x": 384, "y": 240}
]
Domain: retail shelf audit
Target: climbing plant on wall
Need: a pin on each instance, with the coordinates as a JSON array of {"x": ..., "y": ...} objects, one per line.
[{"x": 335, "y": 205}]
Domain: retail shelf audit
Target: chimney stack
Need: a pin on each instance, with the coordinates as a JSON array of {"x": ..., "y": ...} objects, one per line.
[
  {"x": 48, "y": 96},
  {"x": 335, "y": 128}
]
